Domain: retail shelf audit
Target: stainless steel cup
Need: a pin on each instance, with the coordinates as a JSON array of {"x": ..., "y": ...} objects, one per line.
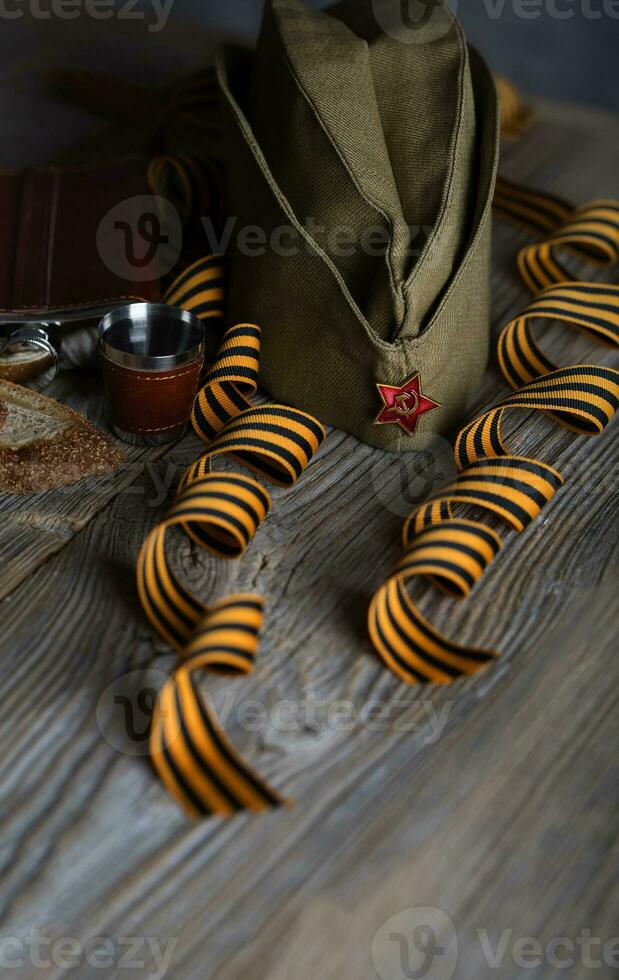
[{"x": 151, "y": 356}]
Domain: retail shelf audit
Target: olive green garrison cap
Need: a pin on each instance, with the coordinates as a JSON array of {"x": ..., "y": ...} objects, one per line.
[{"x": 361, "y": 159}]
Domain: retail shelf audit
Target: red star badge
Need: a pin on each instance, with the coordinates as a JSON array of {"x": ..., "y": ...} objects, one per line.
[{"x": 404, "y": 405}]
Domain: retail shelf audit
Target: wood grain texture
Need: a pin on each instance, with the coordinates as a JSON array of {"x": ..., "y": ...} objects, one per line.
[{"x": 494, "y": 799}]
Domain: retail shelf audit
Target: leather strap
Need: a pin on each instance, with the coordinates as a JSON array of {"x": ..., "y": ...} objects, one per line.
[{"x": 148, "y": 403}]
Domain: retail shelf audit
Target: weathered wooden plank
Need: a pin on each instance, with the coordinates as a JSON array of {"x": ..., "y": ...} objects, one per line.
[
  {"x": 493, "y": 800},
  {"x": 520, "y": 724},
  {"x": 34, "y": 527}
]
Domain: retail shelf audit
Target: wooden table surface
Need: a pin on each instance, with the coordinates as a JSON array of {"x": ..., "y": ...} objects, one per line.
[{"x": 492, "y": 802}]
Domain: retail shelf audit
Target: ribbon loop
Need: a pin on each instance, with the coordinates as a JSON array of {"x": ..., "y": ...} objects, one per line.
[
  {"x": 220, "y": 512},
  {"x": 591, "y": 307},
  {"x": 514, "y": 488},
  {"x": 536, "y": 212},
  {"x": 410, "y": 646},
  {"x": 200, "y": 289},
  {"x": 453, "y": 554},
  {"x": 195, "y": 760},
  {"x": 226, "y": 640},
  {"x": 230, "y": 381},
  {"x": 590, "y": 234}
]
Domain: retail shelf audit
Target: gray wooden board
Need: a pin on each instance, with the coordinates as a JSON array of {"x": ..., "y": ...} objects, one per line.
[{"x": 492, "y": 801}]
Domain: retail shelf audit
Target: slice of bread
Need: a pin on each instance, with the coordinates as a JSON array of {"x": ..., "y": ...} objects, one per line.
[{"x": 45, "y": 445}]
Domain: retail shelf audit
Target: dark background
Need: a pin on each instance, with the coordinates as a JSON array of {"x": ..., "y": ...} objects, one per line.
[{"x": 575, "y": 59}]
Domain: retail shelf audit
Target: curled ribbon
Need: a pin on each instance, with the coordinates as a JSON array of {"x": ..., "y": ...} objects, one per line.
[
  {"x": 453, "y": 553},
  {"x": 221, "y": 512},
  {"x": 516, "y": 115},
  {"x": 200, "y": 289}
]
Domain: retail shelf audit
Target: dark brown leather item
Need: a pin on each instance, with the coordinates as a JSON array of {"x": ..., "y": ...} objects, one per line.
[
  {"x": 50, "y": 260},
  {"x": 150, "y": 403}
]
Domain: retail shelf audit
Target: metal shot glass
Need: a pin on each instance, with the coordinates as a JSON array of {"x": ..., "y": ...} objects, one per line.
[
  {"x": 29, "y": 353},
  {"x": 151, "y": 355}
]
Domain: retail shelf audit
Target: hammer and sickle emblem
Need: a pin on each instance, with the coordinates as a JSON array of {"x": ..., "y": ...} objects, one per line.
[
  {"x": 404, "y": 404},
  {"x": 407, "y": 403}
]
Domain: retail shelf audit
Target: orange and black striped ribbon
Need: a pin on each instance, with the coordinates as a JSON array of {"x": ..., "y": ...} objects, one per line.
[
  {"x": 453, "y": 552},
  {"x": 221, "y": 512},
  {"x": 194, "y": 186},
  {"x": 200, "y": 289},
  {"x": 516, "y": 115}
]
